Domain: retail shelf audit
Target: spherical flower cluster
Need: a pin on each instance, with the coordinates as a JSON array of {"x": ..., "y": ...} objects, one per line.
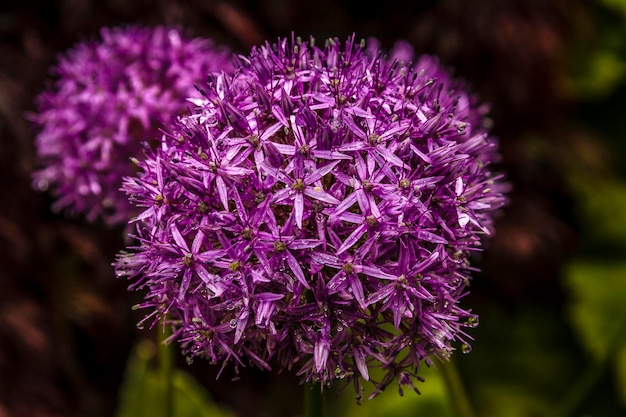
[
  {"x": 111, "y": 96},
  {"x": 316, "y": 213}
]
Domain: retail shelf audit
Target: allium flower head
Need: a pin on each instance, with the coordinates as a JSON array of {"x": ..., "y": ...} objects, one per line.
[
  {"x": 109, "y": 97},
  {"x": 316, "y": 213}
]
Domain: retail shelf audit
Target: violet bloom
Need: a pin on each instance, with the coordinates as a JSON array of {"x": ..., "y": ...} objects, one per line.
[
  {"x": 317, "y": 214},
  {"x": 110, "y": 96}
]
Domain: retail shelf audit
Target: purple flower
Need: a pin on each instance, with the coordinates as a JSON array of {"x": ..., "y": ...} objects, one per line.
[
  {"x": 109, "y": 97},
  {"x": 316, "y": 213}
]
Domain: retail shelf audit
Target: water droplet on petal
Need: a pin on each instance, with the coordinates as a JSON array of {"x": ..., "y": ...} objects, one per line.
[
  {"x": 42, "y": 185},
  {"x": 465, "y": 348},
  {"x": 189, "y": 360}
]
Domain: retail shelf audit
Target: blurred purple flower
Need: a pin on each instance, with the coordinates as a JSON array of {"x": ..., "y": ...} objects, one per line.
[
  {"x": 110, "y": 97},
  {"x": 317, "y": 213}
]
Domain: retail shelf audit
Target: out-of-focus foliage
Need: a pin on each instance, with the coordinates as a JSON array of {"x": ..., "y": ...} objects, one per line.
[
  {"x": 617, "y": 5},
  {"x": 433, "y": 400},
  {"x": 603, "y": 206},
  {"x": 595, "y": 281},
  {"x": 598, "y": 60},
  {"x": 598, "y": 310},
  {"x": 144, "y": 392}
]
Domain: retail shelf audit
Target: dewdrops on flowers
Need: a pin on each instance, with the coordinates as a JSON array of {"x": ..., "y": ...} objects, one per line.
[
  {"x": 110, "y": 96},
  {"x": 316, "y": 213}
]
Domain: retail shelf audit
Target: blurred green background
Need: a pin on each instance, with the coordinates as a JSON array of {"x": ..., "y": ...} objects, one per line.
[{"x": 552, "y": 292}]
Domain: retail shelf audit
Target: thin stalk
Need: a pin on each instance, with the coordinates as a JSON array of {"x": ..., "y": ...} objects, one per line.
[
  {"x": 456, "y": 391},
  {"x": 314, "y": 402},
  {"x": 166, "y": 370}
]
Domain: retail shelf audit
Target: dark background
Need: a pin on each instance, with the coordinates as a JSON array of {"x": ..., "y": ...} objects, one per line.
[{"x": 552, "y": 277}]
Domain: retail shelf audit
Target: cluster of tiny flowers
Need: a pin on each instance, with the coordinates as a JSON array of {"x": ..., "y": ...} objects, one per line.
[
  {"x": 316, "y": 214},
  {"x": 111, "y": 96}
]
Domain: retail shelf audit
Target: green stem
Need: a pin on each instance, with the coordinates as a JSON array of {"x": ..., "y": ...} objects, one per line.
[
  {"x": 458, "y": 396},
  {"x": 314, "y": 402},
  {"x": 166, "y": 369}
]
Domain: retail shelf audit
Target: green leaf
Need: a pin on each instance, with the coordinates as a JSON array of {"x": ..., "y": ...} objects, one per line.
[
  {"x": 598, "y": 307},
  {"x": 143, "y": 391},
  {"x": 598, "y": 314}
]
